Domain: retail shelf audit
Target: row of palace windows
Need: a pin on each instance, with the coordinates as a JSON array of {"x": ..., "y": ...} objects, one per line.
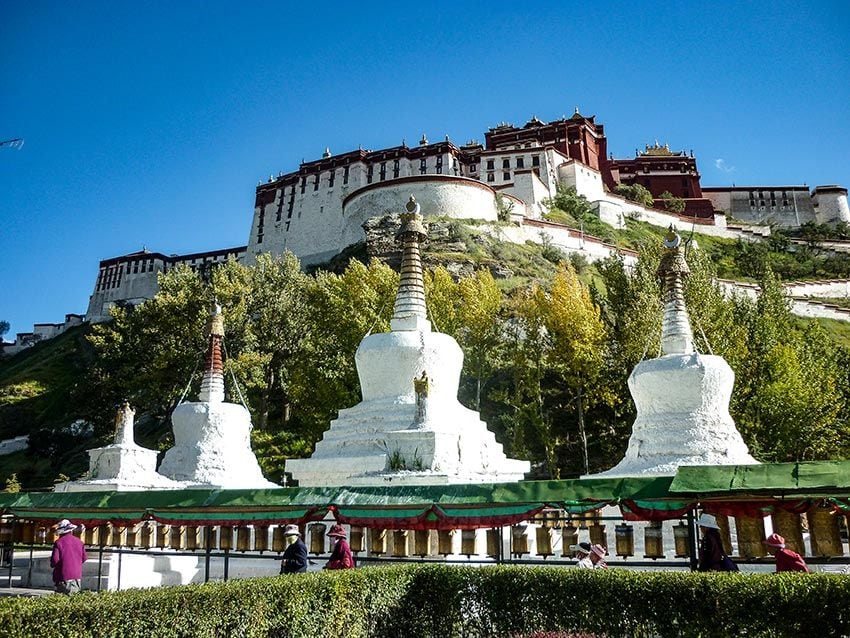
[{"x": 519, "y": 163}]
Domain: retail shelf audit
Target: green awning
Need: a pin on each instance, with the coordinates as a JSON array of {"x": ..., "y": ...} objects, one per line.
[{"x": 802, "y": 479}]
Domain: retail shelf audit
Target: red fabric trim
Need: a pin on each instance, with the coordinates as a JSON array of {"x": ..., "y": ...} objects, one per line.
[{"x": 631, "y": 512}]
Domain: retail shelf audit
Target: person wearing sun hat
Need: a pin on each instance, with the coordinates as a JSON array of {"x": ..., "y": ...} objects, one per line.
[
  {"x": 597, "y": 556},
  {"x": 295, "y": 556},
  {"x": 67, "y": 559},
  {"x": 341, "y": 556},
  {"x": 712, "y": 557},
  {"x": 582, "y": 552},
  {"x": 786, "y": 560}
]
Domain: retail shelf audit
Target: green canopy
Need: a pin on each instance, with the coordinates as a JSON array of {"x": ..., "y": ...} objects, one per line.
[{"x": 799, "y": 480}]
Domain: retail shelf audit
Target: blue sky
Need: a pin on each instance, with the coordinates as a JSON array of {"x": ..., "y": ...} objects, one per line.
[{"x": 151, "y": 123}]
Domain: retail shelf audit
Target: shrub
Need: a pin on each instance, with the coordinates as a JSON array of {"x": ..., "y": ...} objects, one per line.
[
  {"x": 436, "y": 600},
  {"x": 635, "y": 193}
]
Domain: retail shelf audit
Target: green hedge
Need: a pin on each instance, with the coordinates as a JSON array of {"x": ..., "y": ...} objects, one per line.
[{"x": 442, "y": 601}]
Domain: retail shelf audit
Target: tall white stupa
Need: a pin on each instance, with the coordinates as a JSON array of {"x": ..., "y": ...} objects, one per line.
[
  {"x": 122, "y": 466},
  {"x": 682, "y": 397},
  {"x": 410, "y": 428},
  {"x": 212, "y": 438}
]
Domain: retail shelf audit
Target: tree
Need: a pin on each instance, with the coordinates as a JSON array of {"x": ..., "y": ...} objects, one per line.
[
  {"x": 480, "y": 331},
  {"x": 635, "y": 193},
  {"x": 672, "y": 203},
  {"x": 4, "y": 328}
]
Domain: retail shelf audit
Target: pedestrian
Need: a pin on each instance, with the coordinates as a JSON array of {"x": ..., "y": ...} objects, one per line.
[
  {"x": 295, "y": 556},
  {"x": 582, "y": 552},
  {"x": 341, "y": 556},
  {"x": 786, "y": 560},
  {"x": 597, "y": 556},
  {"x": 712, "y": 557},
  {"x": 67, "y": 559}
]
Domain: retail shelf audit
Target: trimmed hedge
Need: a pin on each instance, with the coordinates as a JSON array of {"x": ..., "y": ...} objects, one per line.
[{"x": 440, "y": 601}]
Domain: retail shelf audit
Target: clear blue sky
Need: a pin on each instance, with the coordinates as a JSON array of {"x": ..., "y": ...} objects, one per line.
[{"x": 150, "y": 123}]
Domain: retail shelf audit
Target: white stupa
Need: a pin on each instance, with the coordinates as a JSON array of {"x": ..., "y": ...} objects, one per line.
[
  {"x": 410, "y": 427},
  {"x": 122, "y": 466},
  {"x": 682, "y": 397},
  {"x": 212, "y": 438}
]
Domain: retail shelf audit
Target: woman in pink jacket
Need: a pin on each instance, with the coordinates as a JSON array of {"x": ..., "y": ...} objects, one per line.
[
  {"x": 67, "y": 559},
  {"x": 341, "y": 556}
]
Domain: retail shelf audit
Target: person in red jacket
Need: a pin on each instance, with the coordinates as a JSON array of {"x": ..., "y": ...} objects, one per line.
[
  {"x": 786, "y": 560},
  {"x": 67, "y": 559},
  {"x": 341, "y": 556}
]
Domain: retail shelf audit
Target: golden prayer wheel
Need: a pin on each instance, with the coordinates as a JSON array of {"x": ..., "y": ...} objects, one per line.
[
  {"x": 569, "y": 536},
  {"x": 789, "y": 526},
  {"x": 278, "y": 539},
  {"x": 317, "y": 538},
  {"x": 467, "y": 542},
  {"x": 193, "y": 537},
  {"x": 377, "y": 541},
  {"x": 146, "y": 536},
  {"x": 825, "y": 534},
  {"x": 103, "y": 534},
  {"x": 624, "y": 540},
  {"x": 177, "y": 537},
  {"x": 243, "y": 538},
  {"x": 116, "y": 537},
  {"x": 225, "y": 538},
  {"x": 91, "y": 535},
  {"x": 444, "y": 542},
  {"x": 422, "y": 542},
  {"x": 544, "y": 541},
  {"x": 132, "y": 536},
  {"x": 211, "y": 535},
  {"x": 725, "y": 534},
  {"x": 653, "y": 540},
  {"x": 400, "y": 543},
  {"x": 356, "y": 538},
  {"x": 680, "y": 538},
  {"x": 493, "y": 541},
  {"x": 598, "y": 535},
  {"x": 750, "y": 536},
  {"x": 519, "y": 539},
  {"x": 163, "y": 535},
  {"x": 261, "y": 538}
]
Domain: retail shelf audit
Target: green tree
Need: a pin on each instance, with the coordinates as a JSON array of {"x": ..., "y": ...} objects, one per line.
[
  {"x": 480, "y": 332},
  {"x": 635, "y": 193},
  {"x": 4, "y": 328},
  {"x": 672, "y": 203}
]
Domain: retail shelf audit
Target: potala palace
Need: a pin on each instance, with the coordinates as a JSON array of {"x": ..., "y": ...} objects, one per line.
[{"x": 319, "y": 209}]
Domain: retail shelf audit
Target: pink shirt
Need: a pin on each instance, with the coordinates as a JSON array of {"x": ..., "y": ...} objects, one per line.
[{"x": 67, "y": 559}]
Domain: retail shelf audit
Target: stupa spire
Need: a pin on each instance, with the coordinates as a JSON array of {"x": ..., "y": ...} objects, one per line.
[
  {"x": 124, "y": 422},
  {"x": 409, "y": 312},
  {"x": 676, "y": 335},
  {"x": 212, "y": 385}
]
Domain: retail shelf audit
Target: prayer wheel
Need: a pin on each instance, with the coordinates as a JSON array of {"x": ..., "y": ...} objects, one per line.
[
  {"x": 163, "y": 535},
  {"x": 422, "y": 542},
  {"x": 400, "y": 543},
  {"x": 750, "y": 536},
  {"x": 444, "y": 542},
  {"x": 278, "y": 539},
  {"x": 116, "y": 536},
  {"x": 680, "y": 538},
  {"x": 569, "y": 536},
  {"x": 6, "y": 531},
  {"x": 725, "y": 534},
  {"x": 146, "y": 536},
  {"x": 193, "y": 538},
  {"x": 132, "y": 537},
  {"x": 544, "y": 541},
  {"x": 261, "y": 538},
  {"x": 41, "y": 534},
  {"x": 377, "y": 541},
  {"x": 177, "y": 537},
  {"x": 597, "y": 534},
  {"x": 355, "y": 541},
  {"x": 25, "y": 532},
  {"x": 103, "y": 535},
  {"x": 243, "y": 538},
  {"x": 317, "y": 538},
  {"x": 825, "y": 534},
  {"x": 467, "y": 542},
  {"x": 624, "y": 540},
  {"x": 789, "y": 526},
  {"x": 225, "y": 538},
  {"x": 493, "y": 541},
  {"x": 653, "y": 541},
  {"x": 91, "y": 536},
  {"x": 211, "y": 535},
  {"x": 519, "y": 539}
]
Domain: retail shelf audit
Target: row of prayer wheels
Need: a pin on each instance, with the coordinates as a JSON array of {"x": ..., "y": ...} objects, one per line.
[{"x": 823, "y": 525}]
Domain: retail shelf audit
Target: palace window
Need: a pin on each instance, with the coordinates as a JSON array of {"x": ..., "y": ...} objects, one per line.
[
  {"x": 491, "y": 164},
  {"x": 472, "y": 168},
  {"x": 369, "y": 174},
  {"x": 383, "y": 171},
  {"x": 303, "y": 183},
  {"x": 286, "y": 229},
  {"x": 506, "y": 163},
  {"x": 331, "y": 179},
  {"x": 395, "y": 168},
  {"x": 316, "y": 182},
  {"x": 135, "y": 268},
  {"x": 345, "y": 176},
  {"x": 535, "y": 160},
  {"x": 491, "y": 177},
  {"x": 506, "y": 175}
]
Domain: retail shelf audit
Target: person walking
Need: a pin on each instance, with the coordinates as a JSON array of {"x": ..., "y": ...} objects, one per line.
[
  {"x": 341, "y": 556},
  {"x": 712, "y": 557},
  {"x": 295, "y": 556},
  {"x": 67, "y": 559},
  {"x": 582, "y": 552},
  {"x": 786, "y": 560}
]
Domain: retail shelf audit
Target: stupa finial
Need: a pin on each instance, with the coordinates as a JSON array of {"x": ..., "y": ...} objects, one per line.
[
  {"x": 676, "y": 335},
  {"x": 409, "y": 312},
  {"x": 124, "y": 420},
  {"x": 212, "y": 385}
]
